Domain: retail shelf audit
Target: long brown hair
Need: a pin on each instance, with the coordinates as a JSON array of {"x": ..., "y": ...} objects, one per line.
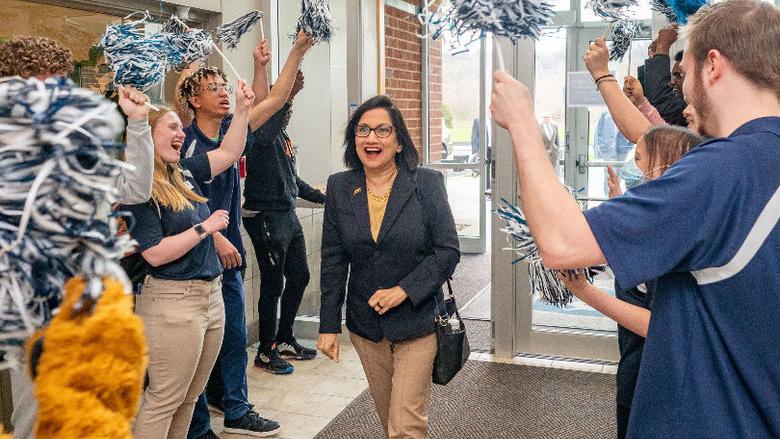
[
  {"x": 664, "y": 145},
  {"x": 169, "y": 188}
]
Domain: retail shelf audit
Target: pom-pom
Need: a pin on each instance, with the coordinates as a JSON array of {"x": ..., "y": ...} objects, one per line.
[
  {"x": 184, "y": 45},
  {"x": 315, "y": 20},
  {"x": 230, "y": 33},
  {"x": 612, "y": 10},
  {"x": 663, "y": 8},
  {"x": 57, "y": 179},
  {"x": 545, "y": 283},
  {"x": 685, "y": 8},
  {"x": 623, "y": 32},
  {"x": 472, "y": 19},
  {"x": 135, "y": 60}
]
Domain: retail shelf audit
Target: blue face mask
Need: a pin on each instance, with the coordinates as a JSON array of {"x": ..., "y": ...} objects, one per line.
[{"x": 631, "y": 174}]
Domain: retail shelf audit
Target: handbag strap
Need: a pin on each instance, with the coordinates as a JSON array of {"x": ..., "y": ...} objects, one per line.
[{"x": 441, "y": 311}]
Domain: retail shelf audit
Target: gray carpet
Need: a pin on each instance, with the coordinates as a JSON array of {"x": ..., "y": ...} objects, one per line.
[
  {"x": 471, "y": 275},
  {"x": 478, "y": 332},
  {"x": 492, "y": 400}
]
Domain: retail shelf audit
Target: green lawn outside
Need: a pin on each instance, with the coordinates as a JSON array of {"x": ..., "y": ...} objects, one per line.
[{"x": 461, "y": 131}]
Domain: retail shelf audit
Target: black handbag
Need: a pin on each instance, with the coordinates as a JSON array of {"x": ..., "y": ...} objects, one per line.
[{"x": 451, "y": 340}]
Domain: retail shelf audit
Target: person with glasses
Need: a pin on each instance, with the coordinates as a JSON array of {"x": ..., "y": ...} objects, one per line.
[
  {"x": 656, "y": 151},
  {"x": 272, "y": 187},
  {"x": 206, "y": 93},
  {"x": 388, "y": 244}
]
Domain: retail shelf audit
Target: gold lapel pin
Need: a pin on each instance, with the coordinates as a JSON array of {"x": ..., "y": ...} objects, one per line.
[{"x": 357, "y": 191}]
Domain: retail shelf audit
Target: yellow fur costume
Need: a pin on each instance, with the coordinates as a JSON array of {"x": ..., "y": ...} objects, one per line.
[{"x": 90, "y": 375}]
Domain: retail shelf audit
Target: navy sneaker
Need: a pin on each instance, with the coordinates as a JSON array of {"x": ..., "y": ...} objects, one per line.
[
  {"x": 208, "y": 435},
  {"x": 292, "y": 349},
  {"x": 252, "y": 424},
  {"x": 268, "y": 358}
]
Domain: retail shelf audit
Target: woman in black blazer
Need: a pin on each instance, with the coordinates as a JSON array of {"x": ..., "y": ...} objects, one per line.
[{"x": 390, "y": 239}]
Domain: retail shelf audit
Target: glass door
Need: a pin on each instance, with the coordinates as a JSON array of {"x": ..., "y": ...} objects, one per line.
[
  {"x": 576, "y": 331},
  {"x": 458, "y": 141}
]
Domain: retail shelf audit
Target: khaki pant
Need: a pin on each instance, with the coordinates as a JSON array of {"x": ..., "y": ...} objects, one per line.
[
  {"x": 183, "y": 325},
  {"x": 399, "y": 379}
]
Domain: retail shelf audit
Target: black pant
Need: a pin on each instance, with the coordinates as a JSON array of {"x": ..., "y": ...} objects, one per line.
[
  {"x": 280, "y": 249},
  {"x": 623, "y": 412}
]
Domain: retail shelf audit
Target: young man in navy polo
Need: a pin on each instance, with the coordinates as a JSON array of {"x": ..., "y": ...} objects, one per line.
[{"x": 707, "y": 229}]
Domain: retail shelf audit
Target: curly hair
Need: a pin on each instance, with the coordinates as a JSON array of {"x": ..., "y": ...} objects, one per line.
[
  {"x": 34, "y": 56},
  {"x": 190, "y": 86}
]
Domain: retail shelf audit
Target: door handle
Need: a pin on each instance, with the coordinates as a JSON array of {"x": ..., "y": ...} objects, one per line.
[{"x": 581, "y": 163}]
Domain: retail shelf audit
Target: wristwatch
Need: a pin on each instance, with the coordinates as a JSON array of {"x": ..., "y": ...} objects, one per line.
[{"x": 200, "y": 230}]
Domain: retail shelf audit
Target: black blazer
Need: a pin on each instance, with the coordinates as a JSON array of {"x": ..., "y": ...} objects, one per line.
[{"x": 404, "y": 254}]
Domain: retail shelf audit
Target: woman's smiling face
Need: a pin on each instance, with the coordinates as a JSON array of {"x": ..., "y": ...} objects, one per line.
[
  {"x": 374, "y": 151},
  {"x": 168, "y": 137}
]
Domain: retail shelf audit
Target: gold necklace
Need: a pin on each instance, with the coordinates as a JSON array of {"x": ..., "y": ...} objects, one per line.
[{"x": 384, "y": 197}]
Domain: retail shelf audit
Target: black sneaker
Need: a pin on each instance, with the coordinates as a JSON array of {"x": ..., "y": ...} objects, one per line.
[
  {"x": 270, "y": 360},
  {"x": 292, "y": 349},
  {"x": 208, "y": 435},
  {"x": 252, "y": 424}
]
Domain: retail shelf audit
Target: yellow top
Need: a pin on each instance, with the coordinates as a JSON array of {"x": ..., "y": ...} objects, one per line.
[
  {"x": 376, "y": 213},
  {"x": 377, "y": 205}
]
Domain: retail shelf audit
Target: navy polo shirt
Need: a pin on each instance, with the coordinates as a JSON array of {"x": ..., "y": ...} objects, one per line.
[
  {"x": 224, "y": 190},
  {"x": 708, "y": 230},
  {"x": 153, "y": 223}
]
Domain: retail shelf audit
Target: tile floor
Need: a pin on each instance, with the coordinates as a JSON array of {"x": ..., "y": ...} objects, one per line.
[{"x": 306, "y": 401}]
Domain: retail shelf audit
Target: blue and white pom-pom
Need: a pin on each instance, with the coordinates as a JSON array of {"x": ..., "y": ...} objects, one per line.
[
  {"x": 472, "y": 19},
  {"x": 56, "y": 186},
  {"x": 135, "y": 59},
  {"x": 230, "y": 33},
  {"x": 685, "y": 8},
  {"x": 623, "y": 32},
  {"x": 663, "y": 8},
  {"x": 612, "y": 10},
  {"x": 185, "y": 45},
  {"x": 315, "y": 20},
  {"x": 545, "y": 283}
]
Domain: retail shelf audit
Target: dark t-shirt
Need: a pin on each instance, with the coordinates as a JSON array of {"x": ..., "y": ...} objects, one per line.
[
  {"x": 630, "y": 344},
  {"x": 224, "y": 190},
  {"x": 708, "y": 231},
  {"x": 153, "y": 222}
]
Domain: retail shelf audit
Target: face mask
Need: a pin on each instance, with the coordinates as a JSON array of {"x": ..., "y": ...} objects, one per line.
[{"x": 631, "y": 174}]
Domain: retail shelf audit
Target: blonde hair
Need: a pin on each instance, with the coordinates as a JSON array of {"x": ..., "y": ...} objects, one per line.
[{"x": 169, "y": 188}]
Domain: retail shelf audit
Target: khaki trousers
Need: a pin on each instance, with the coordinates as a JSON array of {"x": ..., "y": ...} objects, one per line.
[
  {"x": 183, "y": 325},
  {"x": 399, "y": 379}
]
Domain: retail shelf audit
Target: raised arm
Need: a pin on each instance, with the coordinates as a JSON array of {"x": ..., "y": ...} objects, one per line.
[
  {"x": 628, "y": 119},
  {"x": 277, "y": 97},
  {"x": 233, "y": 143},
  {"x": 180, "y": 105},
  {"x": 135, "y": 184},
  {"x": 261, "y": 55},
  {"x": 557, "y": 224}
]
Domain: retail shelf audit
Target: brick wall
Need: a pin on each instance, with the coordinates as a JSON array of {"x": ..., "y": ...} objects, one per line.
[{"x": 403, "y": 75}]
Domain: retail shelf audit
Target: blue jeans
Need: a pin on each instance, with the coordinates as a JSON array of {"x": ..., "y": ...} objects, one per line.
[{"x": 229, "y": 373}]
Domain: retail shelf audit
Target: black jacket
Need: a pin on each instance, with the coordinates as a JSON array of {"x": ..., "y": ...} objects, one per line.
[
  {"x": 403, "y": 255},
  {"x": 659, "y": 92},
  {"x": 271, "y": 181}
]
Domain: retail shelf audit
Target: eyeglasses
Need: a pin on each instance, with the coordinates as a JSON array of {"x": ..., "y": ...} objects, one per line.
[
  {"x": 381, "y": 131},
  {"x": 218, "y": 87}
]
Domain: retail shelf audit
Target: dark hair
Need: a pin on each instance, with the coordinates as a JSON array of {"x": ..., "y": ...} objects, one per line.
[
  {"x": 666, "y": 144},
  {"x": 678, "y": 56},
  {"x": 408, "y": 155},
  {"x": 33, "y": 56},
  {"x": 190, "y": 86}
]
